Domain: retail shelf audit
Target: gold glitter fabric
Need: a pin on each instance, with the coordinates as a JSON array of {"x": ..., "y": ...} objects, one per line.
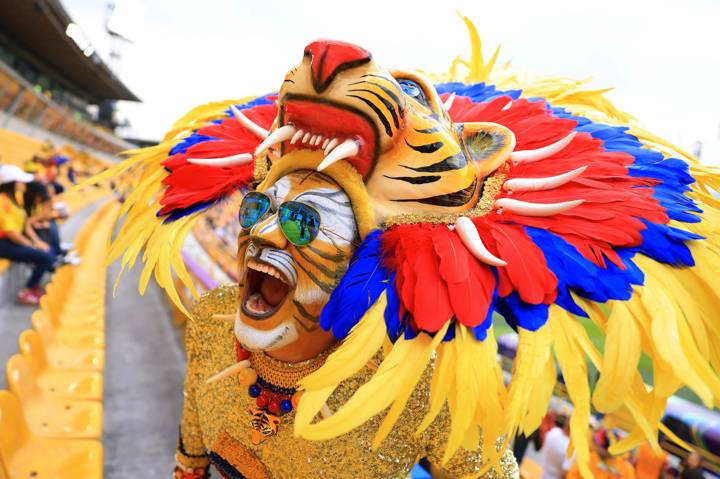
[{"x": 216, "y": 420}]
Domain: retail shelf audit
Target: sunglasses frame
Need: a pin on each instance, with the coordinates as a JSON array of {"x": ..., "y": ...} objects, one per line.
[{"x": 277, "y": 212}]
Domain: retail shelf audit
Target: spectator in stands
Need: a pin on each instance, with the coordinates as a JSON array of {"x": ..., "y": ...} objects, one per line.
[
  {"x": 554, "y": 448},
  {"x": 41, "y": 218},
  {"x": 692, "y": 467},
  {"x": 648, "y": 464},
  {"x": 602, "y": 464},
  {"x": 17, "y": 241}
]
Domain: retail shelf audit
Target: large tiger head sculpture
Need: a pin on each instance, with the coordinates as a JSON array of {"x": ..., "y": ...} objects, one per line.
[
  {"x": 391, "y": 126},
  {"x": 339, "y": 106}
]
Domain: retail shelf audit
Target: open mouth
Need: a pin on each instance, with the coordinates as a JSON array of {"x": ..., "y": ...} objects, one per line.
[
  {"x": 341, "y": 132},
  {"x": 266, "y": 289}
]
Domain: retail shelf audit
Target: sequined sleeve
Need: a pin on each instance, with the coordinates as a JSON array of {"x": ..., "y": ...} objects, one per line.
[
  {"x": 191, "y": 455},
  {"x": 464, "y": 464}
]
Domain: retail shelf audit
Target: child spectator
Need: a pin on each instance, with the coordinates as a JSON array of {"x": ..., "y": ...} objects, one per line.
[{"x": 17, "y": 242}]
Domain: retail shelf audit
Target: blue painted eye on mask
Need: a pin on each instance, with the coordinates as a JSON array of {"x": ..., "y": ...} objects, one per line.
[{"x": 413, "y": 90}]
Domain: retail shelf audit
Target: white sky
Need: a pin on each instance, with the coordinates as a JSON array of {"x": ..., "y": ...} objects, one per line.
[{"x": 661, "y": 56}]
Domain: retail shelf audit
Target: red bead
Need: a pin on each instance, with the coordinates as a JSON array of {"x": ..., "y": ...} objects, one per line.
[
  {"x": 240, "y": 353},
  {"x": 261, "y": 401},
  {"x": 274, "y": 406}
]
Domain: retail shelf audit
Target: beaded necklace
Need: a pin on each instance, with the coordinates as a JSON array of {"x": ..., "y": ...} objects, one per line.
[{"x": 273, "y": 385}]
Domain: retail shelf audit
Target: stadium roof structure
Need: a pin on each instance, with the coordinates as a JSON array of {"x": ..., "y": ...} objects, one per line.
[{"x": 38, "y": 28}]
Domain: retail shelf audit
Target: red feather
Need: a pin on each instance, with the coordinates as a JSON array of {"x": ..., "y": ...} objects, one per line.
[
  {"x": 526, "y": 269},
  {"x": 189, "y": 184},
  {"x": 470, "y": 284}
]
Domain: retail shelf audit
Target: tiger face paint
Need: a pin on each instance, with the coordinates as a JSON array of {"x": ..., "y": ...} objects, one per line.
[
  {"x": 285, "y": 286},
  {"x": 391, "y": 126}
]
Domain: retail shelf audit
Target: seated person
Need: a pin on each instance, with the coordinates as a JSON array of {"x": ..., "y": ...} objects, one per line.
[
  {"x": 18, "y": 243},
  {"x": 41, "y": 219}
]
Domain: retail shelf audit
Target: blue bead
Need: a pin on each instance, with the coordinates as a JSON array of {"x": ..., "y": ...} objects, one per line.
[
  {"x": 254, "y": 391},
  {"x": 286, "y": 405}
]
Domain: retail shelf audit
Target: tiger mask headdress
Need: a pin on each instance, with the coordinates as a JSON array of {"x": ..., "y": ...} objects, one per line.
[{"x": 390, "y": 125}]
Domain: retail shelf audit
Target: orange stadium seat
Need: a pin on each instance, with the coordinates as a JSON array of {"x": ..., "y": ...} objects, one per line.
[
  {"x": 24, "y": 455},
  {"x": 58, "y": 382},
  {"x": 63, "y": 356},
  {"x": 48, "y": 416}
]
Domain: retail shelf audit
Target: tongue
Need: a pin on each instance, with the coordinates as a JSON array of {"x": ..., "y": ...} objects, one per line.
[{"x": 273, "y": 290}]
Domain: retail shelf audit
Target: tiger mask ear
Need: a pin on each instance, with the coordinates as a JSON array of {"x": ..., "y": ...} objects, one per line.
[{"x": 488, "y": 145}]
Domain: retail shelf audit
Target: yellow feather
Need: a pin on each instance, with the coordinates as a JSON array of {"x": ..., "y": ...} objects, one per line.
[
  {"x": 441, "y": 384},
  {"x": 479, "y": 394},
  {"x": 531, "y": 359},
  {"x": 620, "y": 359},
  {"x": 310, "y": 403},
  {"x": 568, "y": 337},
  {"x": 361, "y": 344},
  {"x": 541, "y": 393},
  {"x": 665, "y": 334},
  {"x": 405, "y": 390},
  {"x": 372, "y": 397}
]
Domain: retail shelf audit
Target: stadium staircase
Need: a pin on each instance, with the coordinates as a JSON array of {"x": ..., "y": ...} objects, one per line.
[{"x": 51, "y": 416}]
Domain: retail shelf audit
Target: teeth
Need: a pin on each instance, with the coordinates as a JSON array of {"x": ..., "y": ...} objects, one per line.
[
  {"x": 333, "y": 143},
  {"x": 312, "y": 140},
  {"x": 306, "y": 137},
  {"x": 318, "y": 140},
  {"x": 346, "y": 149},
  {"x": 267, "y": 269},
  {"x": 299, "y": 134},
  {"x": 327, "y": 140},
  {"x": 278, "y": 136}
]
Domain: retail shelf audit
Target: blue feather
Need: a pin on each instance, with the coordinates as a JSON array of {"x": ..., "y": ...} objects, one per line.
[
  {"x": 393, "y": 322},
  {"x": 519, "y": 313},
  {"x": 359, "y": 288}
]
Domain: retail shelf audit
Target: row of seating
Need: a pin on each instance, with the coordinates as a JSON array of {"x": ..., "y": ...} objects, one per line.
[{"x": 51, "y": 417}]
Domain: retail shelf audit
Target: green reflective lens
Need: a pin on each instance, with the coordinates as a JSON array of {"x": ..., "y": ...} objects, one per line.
[
  {"x": 253, "y": 208},
  {"x": 299, "y": 222}
]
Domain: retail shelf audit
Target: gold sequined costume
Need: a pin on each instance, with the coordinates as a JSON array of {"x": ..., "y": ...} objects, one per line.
[{"x": 215, "y": 421}]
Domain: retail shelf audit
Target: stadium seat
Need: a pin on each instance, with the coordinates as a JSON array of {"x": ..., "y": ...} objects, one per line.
[
  {"x": 62, "y": 355},
  {"x": 52, "y": 417},
  {"x": 58, "y": 382},
  {"x": 530, "y": 469},
  {"x": 75, "y": 338},
  {"x": 23, "y": 455},
  {"x": 90, "y": 317}
]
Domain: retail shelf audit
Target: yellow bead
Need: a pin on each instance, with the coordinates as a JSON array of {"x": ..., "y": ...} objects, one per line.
[{"x": 247, "y": 376}]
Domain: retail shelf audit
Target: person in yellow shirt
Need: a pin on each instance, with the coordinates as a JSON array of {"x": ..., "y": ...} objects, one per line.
[
  {"x": 602, "y": 464},
  {"x": 18, "y": 242}
]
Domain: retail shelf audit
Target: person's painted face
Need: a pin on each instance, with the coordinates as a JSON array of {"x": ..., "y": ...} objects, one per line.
[{"x": 297, "y": 239}]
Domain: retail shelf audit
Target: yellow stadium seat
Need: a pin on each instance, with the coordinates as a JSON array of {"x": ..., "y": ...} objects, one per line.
[
  {"x": 74, "y": 338},
  {"x": 63, "y": 356},
  {"x": 58, "y": 382},
  {"x": 23, "y": 455},
  {"x": 52, "y": 417},
  {"x": 67, "y": 317},
  {"x": 530, "y": 469}
]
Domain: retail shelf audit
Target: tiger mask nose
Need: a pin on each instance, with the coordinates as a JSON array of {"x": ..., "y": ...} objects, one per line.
[{"x": 330, "y": 57}]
